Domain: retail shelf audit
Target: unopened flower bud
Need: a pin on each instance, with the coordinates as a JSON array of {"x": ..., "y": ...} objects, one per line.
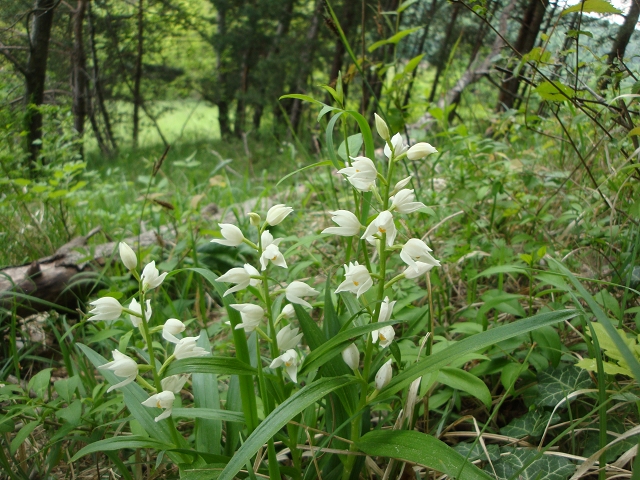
[
  {"x": 254, "y": 219},
  {"x": 383, "y": 377},
  {"x": 351, "y": 356},
  {"x": 382, "y": 128},
  {"x": 420, "y": 150},
  {"x": 128, "y": 256}
]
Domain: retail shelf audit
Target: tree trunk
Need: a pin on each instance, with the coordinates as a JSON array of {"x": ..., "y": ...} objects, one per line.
[
  {"x": 306, "y": 63},
  {"x": 444, "y": 51},
  {"x": 527, "y": 35},
  {"x": 348, "y": 23},
  {"x": 137, "y": 75},
  {"x": 79, "y": 73},
  {"x": 621, "y": 41},
  {"x": 36, "y": 73},
  {"x": 222, "y": 102}
]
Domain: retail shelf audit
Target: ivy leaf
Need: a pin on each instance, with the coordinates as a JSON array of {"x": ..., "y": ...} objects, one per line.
[
  {"x": 546, "y": 468},
  {"x": 531, "y": 424},
  {"x": 474, "y": 451},
  {"x": 555, "y": 384}
]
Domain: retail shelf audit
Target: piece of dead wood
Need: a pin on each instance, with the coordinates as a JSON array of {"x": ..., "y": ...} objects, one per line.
[{"x": 53, "y": 281}]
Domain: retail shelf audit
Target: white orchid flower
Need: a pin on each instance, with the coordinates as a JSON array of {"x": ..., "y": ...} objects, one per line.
[
  {"x": 171, "y": 328},
  {"x": 386, "y": 310},
  {"x": 186, "y": 348},
  {"x": 135, "y": 306},
  {"x": 277, "y": 214},
  {"x": 251, "y": 316},
  {"x": 385, "y": 336},
  {"x": 403, "y": 202},
  {"x": 174, "y": 383},
  {"x": 357, "y": 279},
  {"x": 272, "y": 254},
  {"x": 151, "y": 277},
  {"x": 383, "y": 224},
  {"x": 105, "y": 308},
  {"x": 383, "y": 377},
  {"x": 415, "y": 250},
  {"x": 128, "y": 256},
  {"x": 398, "y": 147},
  {"x": 296, "y": 289},
  {"x": 288, "y": 338},
  {"x": 417, "y": 270},
  {"x": 241, "y": 276},
  {"x": 361, "y": 174},
  {"x": 164, "y": 400},
  {"x": 232, "y": 235},
  {"x": 122, "y": 366},
  {"x": 348, "y": 224},
  {"x": 420, "y": 150},
  {"x": 290, "y": 360},
  {"x": 351, "y": 357}
]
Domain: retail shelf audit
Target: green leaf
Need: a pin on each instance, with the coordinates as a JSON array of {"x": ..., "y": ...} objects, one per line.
[
  {"x": 39, "y": 383},
  {"x": 306, "y": 98},
  {"x": 393, "y": 39},
  {"x": 501, "y": 269},
  {"x": 22, "y": 435},
  {"x": 473, "y": 344},
  {"x": 474, "y": 451},
  {"x": 556, "y": 384},
  {"x": 208, "y": 414},
  {"x": 420, "y": 448},
  {"x": 554, "y": 91},
  {"x": 208, "y": 432},
  {"x": 549, "y": 342},
  {"x": 355, "y": 144},
  {"x": 333, "y": 347},
  {"x": 591, "y": 6},
  {"x": 118, "y": 443},
  {"x": 530, "y": 424},
  {"x": 467, "y": 382},
  {"x": 413, "y": 64},
  {"x": 549, "y": 467},
  {"x": 277, "y": 419},
  {"x": 215, "y": 365},
  {"x": 72, "y": 413},
  {"x": 308, "y": 167}
]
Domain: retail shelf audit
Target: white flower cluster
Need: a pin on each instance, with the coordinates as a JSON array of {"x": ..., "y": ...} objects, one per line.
[
  {"x": 381, "y": 232},
  {"x": 253, "y": 315},
  {"x": 109, "y": 309}
]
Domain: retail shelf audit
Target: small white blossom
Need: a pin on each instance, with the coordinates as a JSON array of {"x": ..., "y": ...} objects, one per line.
[
  {"x": 288, "y": 338},
  {"x": 348, "y": 224},
  {"x": 174, "y": 383},
  {"x": 385, "y": 336},
  {"x": 403, "y": 202},
  {"x": 357, "y": 279},
  {"x": 420, "y": 150},
  {"x": 361, "y": 174},
  {"x": 383, "y": 224},
  {"x": 351, "y": 357},
  {"x": 242, "y": 277},
  {"x": 232, "y": 235},
  {"x": 417, "y": 270},
  {"x": 151, "y": 277},
  {"x": 186, "y": 348},
  {"x": 277, "y": 214},
  {"x": 296, "y": 289},
  {"x": 290, "y": 360},
  {"x": 122, "y": 366},
  {"x": 272, "y": 254},
  {"x": 135, "y": 306},
  {"x": 251, "y": 316},
  {"x": 128, "y": 256},
  {"x": 386, "y": 310},
  {"x": 383, "y": 377},
  {"x": 164, "y": 400},
  {"x": 171, "y": 328},
  {"x": 381, "y": 127},
  {"x": 105, "y": 308},
  {"x": 400, "y": 185},
  {"x": 288, "y": 311},
  {"x": 398, "y": 147},
  {"x": 415, "y": 250}
]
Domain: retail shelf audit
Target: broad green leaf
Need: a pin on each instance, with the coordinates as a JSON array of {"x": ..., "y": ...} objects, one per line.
[
  {"x": 208, "y": 414},
  {"x": 554, "y": 91},
  {"x": 591, "y": 6},
  {"x": 467, "y": 382},
  {"x": 67, "y": 387},
  {"x": 71, "y": 413},
  {"x": 118, "y": 443},
  {"x": 473, "y": 451},
  {"x": 216, "y": 365},
  {"x": 610, "y": 368},
  {"x": 328, "y": 134},
  {"x": 208, "y": 431},
  {"x": 22, "y": 435},
  {"x": 277, "y": 419},
  {"x": 420, "y": 448},
  {"x": 355, "y": 144},
  {"x": 473, "y": 344},
  {"x": 103, "y": 335},
  {"x": 557, "y": 383},
  {"x": 549, "y": 342},
  {"x": 413, "y": 63},
  {"x": 39, "y": 383},
  {"x": 333, "y": 347},
  {"x": 549, "y": 467},
  {"x": 501, "y": 269},
  {"x": 530, "y": 424}
]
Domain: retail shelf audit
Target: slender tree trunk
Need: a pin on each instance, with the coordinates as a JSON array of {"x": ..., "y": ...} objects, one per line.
[
  {"x": 222, "y": 102},
  {"x": 621, "y": 41},
  {"x": 137, "y": 75},
  {"x": 79, "y": 73},
  {"x": 238, "y": 126},
  {"x": 348, "y": 21},
  {"x": 529, "y": 30},
  {"x": 36, "y": 73},
  {"x": 109, "y": 144},
  {"x": 444, "y": 51},
  {"x": 306, "y": 63}
]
